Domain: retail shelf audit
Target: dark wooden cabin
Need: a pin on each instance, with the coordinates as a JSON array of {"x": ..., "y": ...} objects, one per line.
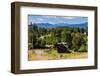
[{"x": 62, "y": 48}]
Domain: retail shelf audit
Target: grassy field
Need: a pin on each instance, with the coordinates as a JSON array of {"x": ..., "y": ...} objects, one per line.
[{"x": 43, "y": 54}]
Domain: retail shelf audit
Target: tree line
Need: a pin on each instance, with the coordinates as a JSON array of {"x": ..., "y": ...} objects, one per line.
[{"x": 75, "y": 37}]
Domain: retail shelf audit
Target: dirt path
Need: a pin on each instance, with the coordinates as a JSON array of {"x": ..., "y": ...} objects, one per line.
[{"x": 39, "y": 54}]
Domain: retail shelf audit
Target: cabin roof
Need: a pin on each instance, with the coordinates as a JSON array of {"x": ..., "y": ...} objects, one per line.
[{"x": 64, "y": 44}]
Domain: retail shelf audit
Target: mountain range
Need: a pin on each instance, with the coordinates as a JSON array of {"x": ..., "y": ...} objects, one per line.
[{"x": 49, "y": 25}]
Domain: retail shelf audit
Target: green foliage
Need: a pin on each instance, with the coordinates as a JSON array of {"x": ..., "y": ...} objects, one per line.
[
  {"x": 30, "y": 36},
  {"x": 53, "y": 53},
  {"x": 53, "y": 38},
  {"x": 43, "y": 42},
  {"x": 83, "y": 48},
  {"x": 76, "y": 41},
  {"x": 69, "y": 39},
  {"x": 58, "y": 35},
  {"x": 63, "y": 35},
  {"x": 76, "y": 38}
]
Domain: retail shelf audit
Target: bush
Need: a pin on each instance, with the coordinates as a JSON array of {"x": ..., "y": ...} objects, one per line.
[
  {"x": 83, "y": 48},
  {"x": 54, "y": 53}
]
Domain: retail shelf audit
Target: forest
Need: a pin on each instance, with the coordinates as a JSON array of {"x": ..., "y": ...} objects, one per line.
[{"x": 41, "y": 38}]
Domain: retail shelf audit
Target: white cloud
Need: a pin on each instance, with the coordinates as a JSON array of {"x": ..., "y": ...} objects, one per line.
[
  {"x": 69, "y": 17},
  {"x": 40, "y": 19}
]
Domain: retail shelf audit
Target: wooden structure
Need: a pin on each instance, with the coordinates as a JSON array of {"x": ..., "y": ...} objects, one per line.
[{"x": 62, "y": 48}]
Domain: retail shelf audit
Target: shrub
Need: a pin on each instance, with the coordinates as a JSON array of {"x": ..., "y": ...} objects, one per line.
[
  {"x": 54, "y": 53},
  {"x": 83, "y": 48}
]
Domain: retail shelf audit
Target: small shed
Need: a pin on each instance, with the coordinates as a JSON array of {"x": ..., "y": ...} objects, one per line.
[{"x": 62, "y": 47}]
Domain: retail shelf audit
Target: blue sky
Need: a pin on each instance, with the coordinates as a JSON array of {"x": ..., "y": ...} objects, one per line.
[{"x": 56, "y": 19}]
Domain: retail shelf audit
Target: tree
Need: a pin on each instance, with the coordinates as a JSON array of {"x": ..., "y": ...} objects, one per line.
[
  {"x": 30, "y": 35},
  {"x": 63, "y": 35},
  {"x": 42, "y": 43},
  {"x": 82, "y": 30},
  {"x": 34, "y": 40},
  {"x": 58, "y": 35},
  {"x": 66, "y": 37},
  {"x": 69, "y": 39},
  {"x": 76, "y": 41},
  {"x": 53, "y": 38}
]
